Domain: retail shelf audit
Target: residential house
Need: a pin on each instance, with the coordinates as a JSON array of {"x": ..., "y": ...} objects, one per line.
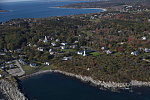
[
  {"x": 62, "y": 47},
  {"x": 103, "y": 48},
  {"x": 135, "y": 53},
  {"x": 147, "y": 50},
  {"x": 53, "y": 44},
  {"x": 108, "y": 52},
  {"x": 32, "y": 64},
  {"x": 143, "y": 38},
  {"x": 79, "y": 52},
  {"x": 40, "y": 49},
  {"x": 57, "y": 40},
  {"x": 2, "y": 54},
  {"x": 50, "y": 50},
  {"x": 73, "y": 46},
  {"x": 66, "y": 58},
  {"x": 63, "y": 43},
  {"x": 22, "y": 61},
  {"x": 47, "y": 63}
]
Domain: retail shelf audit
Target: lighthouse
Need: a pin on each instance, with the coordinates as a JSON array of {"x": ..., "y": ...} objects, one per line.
[
  {"x": 84, "y": 53},
  {"x": 45, "y": 40}
]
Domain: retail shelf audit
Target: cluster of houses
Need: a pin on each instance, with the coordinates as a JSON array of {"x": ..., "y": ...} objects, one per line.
[
  {"x": 135, "y": 53},
  {"x": 105, "y": 50}
]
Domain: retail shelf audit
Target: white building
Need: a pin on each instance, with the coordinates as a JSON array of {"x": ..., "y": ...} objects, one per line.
[
  {"x": 143, "y": 38},
  {"x": 103, "y": 48},
  {"x": 53, "y": 44},
  {"x": 66, "y": 58},
  {"x": 63, "y": 43},
  {"x": 88, "y": 69},
  {"x": 40, "y": 49},
  {"x": 79, "y": 52},
  {"x": 108, "y": 52},
  {"x": 147, "y": 50},
  {"x": 62, "y": 47},
  {"x": 47, "y": 63},
  {"x": 84, "y": 53},
  {"x": 57, "y": 40},
  {"x": 45, "y": 40},
  {"x": 135, "y": 53},
  {"x": 32, "y": 64}
]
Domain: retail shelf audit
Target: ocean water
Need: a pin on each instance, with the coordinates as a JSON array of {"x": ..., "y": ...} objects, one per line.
[
  {"x": 1, "y": 96},
  {"x": 35, "y": 9},
  {"x": 54, "y": 86}
]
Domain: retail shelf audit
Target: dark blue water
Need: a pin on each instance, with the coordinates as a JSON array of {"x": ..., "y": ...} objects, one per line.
[
  {"x": 37, "y": 9},
  {"x": 1, "y": 96},
  {"x": 54, "y": 86}
]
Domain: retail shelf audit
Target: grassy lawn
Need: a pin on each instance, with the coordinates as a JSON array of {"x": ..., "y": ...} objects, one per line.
[
  {"x": 69, "y": 50},
  {"x": 29, "y": 70},
  {"x": 47, "y": 68},
  {"x": 95, "y": 53}
]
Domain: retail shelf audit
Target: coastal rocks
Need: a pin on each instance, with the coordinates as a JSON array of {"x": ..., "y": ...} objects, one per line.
[
  {"x": 101, "y": 84},
  {"x": 11, "y": 91}
]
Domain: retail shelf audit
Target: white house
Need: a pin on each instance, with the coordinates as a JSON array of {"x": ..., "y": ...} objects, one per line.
[
  {"x": 57, "y": 40},
  {"x": 108, "y": 52},
  {"x": 103, "y": 48},
  {"x": 63, "y": 43},
  {"x": 88, "y": 69},
  {"x": 53, "y": 44},
  {"x": 40, "y": 49},
  {"x": 66, "y": 58},
  {"x": 79, "y": 52},
  {"x": 147, "y": 50},
  {"x": 47, "y": 63},
  {"x": 32, "y": 64},
  {"x": 135, "y": 53},
  {"x": 52, "y": 53},
  {"x": 50, "y": 50},
  {"x": 2, "y": 54},
  {"x": 72, "y": 46},
  {"x": 62, "y": 47},
  {"x": 143, "y": 38}
]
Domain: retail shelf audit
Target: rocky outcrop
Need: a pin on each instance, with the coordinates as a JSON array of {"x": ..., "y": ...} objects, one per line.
[
  {"x": 103, "y": 84},
  {"x": 11, "y": 91}
]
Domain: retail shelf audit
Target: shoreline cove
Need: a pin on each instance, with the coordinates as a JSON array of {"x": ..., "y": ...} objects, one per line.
[{"x": 113, "y": 86}]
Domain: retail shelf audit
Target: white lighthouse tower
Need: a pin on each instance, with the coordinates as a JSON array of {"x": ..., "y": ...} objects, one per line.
[
  {"x": 45, "y": 40},
  {"x": 84, "y": 53}
]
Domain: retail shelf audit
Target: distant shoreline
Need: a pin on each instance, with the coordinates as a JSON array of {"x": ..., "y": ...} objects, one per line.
[
  {"x": 81, "y": 8},
  {"x": 3, "y": 11}
]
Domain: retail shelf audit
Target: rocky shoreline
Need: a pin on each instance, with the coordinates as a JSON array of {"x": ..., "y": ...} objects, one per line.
[
  {"x": 11, "y": 91},
  {"x": 101, "y": 84}
]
